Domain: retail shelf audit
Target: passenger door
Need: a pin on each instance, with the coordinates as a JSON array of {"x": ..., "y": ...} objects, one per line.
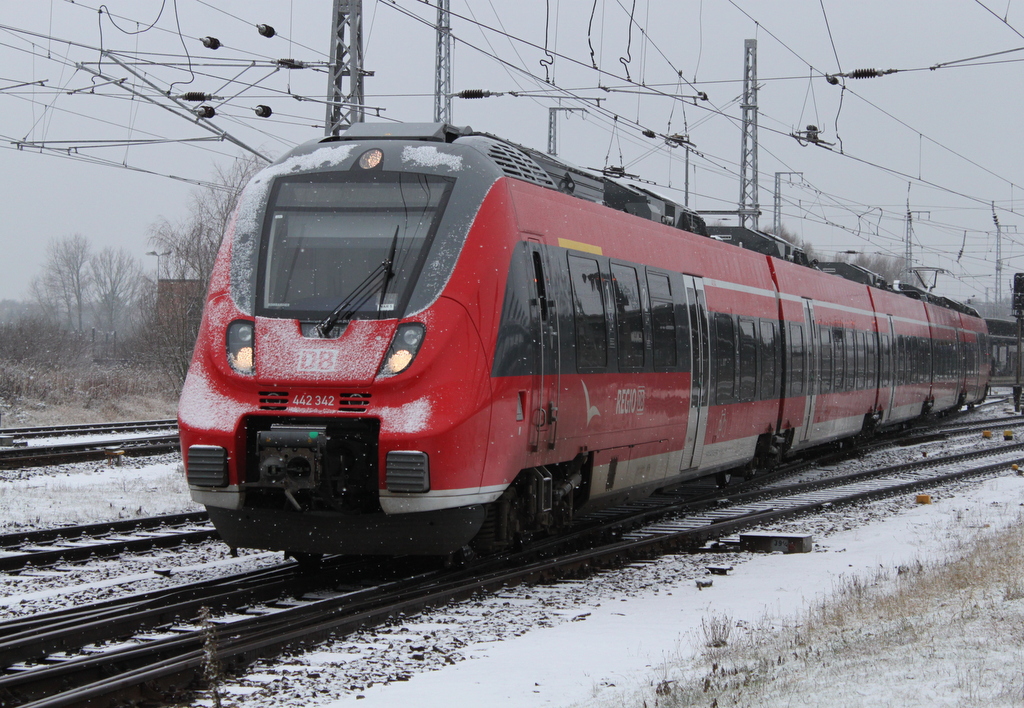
[
  {"x": 810, "y": 369},
  {"x": 547, "y": 377},
  {"x": 700, "y": 365}
]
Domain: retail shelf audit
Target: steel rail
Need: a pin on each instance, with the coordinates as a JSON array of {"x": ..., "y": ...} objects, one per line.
[
  {"x": 43, "y": 431},
  {"x": 83, "y": 548},
  {"x": 9, "y": 541},
  {"x": 57, "y": 453}
]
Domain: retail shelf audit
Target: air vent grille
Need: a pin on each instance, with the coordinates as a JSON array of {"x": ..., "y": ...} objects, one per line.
[
  {"x": 515, "y": 163},
  {"x": 408, "y": 471},
  {"x": 353, "y": 402},
  {"x": 273, "y": 400},
  {"x": 207, "y": 466}
]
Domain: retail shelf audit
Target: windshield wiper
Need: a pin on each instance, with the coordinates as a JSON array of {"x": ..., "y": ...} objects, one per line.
[{"x": 379, "y": 278}]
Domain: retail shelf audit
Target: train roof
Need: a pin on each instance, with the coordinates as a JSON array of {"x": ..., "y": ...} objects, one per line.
[
  {"x": 761, "y": 242},
  {"x": 612, "y": 191}
]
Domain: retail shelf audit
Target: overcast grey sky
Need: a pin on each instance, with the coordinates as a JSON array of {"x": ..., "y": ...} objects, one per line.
[{"x": 946, "y": 138}]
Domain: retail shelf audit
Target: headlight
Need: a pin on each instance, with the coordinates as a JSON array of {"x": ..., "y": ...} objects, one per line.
[
  {"x": 240, "y": 346},
  {"x": 403, "y": 349}
]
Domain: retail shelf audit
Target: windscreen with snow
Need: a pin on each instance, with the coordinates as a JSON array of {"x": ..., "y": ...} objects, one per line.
[{"x": 329, "y": 235}]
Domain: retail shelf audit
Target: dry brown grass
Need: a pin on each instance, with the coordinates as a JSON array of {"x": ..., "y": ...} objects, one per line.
[
  {"x": 903, "y": 627},
  {"x": 33, "y": 394}
]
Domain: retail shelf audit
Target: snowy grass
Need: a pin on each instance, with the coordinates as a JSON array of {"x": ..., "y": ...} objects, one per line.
[
  {"x": 100, "y": 494},
  {"x": 948, "y": 632},
  {"x": 60, "y": 395}
]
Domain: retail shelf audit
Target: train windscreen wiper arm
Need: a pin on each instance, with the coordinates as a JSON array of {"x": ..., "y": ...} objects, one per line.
[{"x": 378, "y": 278}]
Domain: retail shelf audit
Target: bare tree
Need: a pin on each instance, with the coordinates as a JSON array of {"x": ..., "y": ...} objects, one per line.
[
  {"x": 192, "y": 244},
  {"x": 191, "y": 247},
  {"x": 117, "y": 279},
  {"x": 888, "y": 267},
  {"x": 64, "y": 288}
]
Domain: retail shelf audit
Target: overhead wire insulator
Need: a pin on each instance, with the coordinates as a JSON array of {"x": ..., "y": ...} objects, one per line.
[
  {"x": 859, "y": 74},
  {"x": 648, "y": 133},
  {"x": 196, "y": 96},
  {"x": 210, "y": 42},
  {"x": 477, "y": 93},
  {"x": 291, "y": 64},
  {"x": 867, "y": 73},
  {"x": 266, "y": 30},
  {"x": 263, "y": 111},
  {"x": 206, "y": 112}
]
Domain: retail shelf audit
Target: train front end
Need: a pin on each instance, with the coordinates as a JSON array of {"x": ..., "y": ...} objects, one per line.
[{"x": 337, "y": 400}]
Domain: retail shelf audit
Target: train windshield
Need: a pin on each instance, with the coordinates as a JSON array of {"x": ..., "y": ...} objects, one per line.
[{"x": 328, "y": 233}]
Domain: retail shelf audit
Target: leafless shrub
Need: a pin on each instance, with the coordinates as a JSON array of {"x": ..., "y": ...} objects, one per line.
[
  {"x": 716, "y": 630},
  {"x": 213, "y": 672}
]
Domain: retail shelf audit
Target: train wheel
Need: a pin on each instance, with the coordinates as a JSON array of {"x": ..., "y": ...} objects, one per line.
[
  {"x": 460, "y": 558},
  {"x": 308, "y": 562}
]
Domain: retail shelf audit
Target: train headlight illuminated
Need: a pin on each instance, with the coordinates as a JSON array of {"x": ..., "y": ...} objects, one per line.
[
  {"x": 240, "y": 346},
  {"x": 403, "y": 349},
  {"x": 371, "y": 159}
]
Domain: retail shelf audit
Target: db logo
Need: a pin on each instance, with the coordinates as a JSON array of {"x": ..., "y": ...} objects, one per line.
[{"x": 318, "y": 360}]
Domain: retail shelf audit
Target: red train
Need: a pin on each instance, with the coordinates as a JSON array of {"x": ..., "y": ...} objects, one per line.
[{"x": 419, "y": 338}]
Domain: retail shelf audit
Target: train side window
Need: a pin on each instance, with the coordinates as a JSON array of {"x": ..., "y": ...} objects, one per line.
[
  {"x": 798, "y": 358},
  {"x": 663, "y": 320},
  {"x": 748, "y": 360},
  {"x": 870, "y": 360},
  {"x": 825, "y": 370},
  {"x": 918, "y": 361},
  {"x": 884, "y": 355},
  {"x": 629, "y": 317},
  {"x": 839, "y": 358},
  {"x": 900, "y": 358},
  {"x": 588, "y": 305},
  {"x": 725, "y": 358},
  {"x": 769, "y": 357},
  {"x": 861, "y": 363}
]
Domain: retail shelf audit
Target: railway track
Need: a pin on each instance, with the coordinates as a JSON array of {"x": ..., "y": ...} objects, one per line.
[
  {"x": 106, "y": 540},
  {"x": 49, "y": 431},
  {"x": 156, "y": 644},
  {"x": 59, "y": 453}
]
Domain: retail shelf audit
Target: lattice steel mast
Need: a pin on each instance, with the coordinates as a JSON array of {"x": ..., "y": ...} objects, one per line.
[
  {"x": 748, "y": 206},
  {"x": 443, "y": 64},
  {"x": 345, "y": 107}
]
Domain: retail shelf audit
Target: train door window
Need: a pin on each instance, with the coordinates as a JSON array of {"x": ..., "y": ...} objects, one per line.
[
  {"x": 870, "y": 360},
  {"x": 629, "y": 317},
  {"x": 725, "y": 358},
  {"x": 922, "y": 370},
  {"x": 748, "y": 360},
  {"x": 663, "y": 320},
  {"x": 839, "y": 359},
  {"x": 862, "y": 359},
  {"x": 797, "y": 359},
  {"x": 769, "y": 356},
  {"x": 900, "y": 358},
  {"x": 588, "y": 305},
  {"x": 825, "y": 370},
  {"x": 924, "y": 360},
  {"x": 885, "y": 362}
]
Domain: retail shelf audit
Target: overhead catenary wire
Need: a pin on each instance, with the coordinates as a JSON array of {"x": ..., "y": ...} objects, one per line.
[{"x": 606, "y": 119}]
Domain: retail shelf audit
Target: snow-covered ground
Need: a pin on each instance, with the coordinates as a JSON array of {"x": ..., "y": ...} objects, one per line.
[
  {"x": 638, "y": 635},
  {"x": 89, "y": 492},
  {"x": 613, "y": 639}
]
